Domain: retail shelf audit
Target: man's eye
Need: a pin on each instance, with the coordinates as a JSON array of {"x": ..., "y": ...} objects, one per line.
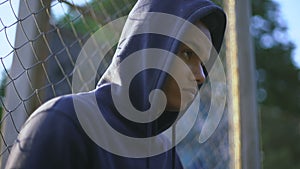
[{"x": 188, "y": 54}]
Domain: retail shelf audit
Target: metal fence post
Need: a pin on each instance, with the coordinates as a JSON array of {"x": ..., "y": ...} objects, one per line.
[
  {"x": 20, "y": 99},
  {"x": 244, "y": 123}
]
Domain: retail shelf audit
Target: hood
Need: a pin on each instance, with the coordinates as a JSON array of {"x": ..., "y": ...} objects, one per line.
[{"x": 143, "y": 57}]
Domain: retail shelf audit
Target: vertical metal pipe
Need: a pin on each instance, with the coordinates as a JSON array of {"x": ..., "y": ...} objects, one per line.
[
  {"x": 233, "y": 85},
  {"x": 244, "y": 130}
]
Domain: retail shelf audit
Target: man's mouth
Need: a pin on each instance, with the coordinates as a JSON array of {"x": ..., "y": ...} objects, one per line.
[{"x": 192, "y": 91}]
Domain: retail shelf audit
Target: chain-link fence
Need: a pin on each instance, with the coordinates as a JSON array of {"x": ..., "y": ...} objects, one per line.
[{"x": 38, "y": 61}]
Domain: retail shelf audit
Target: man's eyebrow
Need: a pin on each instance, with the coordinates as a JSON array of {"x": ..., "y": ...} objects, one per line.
[{"x": 199, "y": 48}]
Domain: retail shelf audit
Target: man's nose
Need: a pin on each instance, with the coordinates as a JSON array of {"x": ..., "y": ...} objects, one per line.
[{"x": 199, "y": 74}]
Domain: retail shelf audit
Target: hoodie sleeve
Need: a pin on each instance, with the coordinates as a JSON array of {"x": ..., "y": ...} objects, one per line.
[{"x": 49, "y": 139}]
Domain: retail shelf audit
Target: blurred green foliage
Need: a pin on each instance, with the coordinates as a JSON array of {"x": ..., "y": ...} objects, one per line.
[
  {"x": 278, "y": 87},
  {"x": 89, "y": 18},
  {"x": 2, "y": 92}
]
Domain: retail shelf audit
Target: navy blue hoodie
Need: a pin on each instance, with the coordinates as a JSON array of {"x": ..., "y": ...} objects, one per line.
[{"x": 53, "y": 136}]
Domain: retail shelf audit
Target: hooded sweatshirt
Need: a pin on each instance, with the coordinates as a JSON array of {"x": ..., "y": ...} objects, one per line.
[{"x": 66, "y": 132}]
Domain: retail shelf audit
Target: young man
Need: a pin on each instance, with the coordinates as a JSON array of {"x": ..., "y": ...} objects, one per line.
[{"x": 137, "y": 109}]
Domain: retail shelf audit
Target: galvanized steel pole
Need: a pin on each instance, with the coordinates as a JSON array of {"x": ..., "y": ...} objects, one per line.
[{"x": 244, "y": 121}]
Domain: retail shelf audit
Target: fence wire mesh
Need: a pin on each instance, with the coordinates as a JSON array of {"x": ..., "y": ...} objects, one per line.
[{"x": 40, "y": 41}]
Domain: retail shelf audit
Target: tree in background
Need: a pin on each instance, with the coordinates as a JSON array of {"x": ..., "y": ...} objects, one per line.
[
  {"x": 2, "y": 92},
  {"x": 278, "y": 87}
]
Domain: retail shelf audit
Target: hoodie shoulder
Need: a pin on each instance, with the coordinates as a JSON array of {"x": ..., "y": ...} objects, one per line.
[{"x": 51, "y": 138}]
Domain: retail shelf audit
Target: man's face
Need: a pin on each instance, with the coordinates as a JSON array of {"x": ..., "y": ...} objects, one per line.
[{"x": 171, "y": 89}]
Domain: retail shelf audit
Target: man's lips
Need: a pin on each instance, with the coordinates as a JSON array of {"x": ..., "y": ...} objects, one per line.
[{"x": 193, "y": 91}]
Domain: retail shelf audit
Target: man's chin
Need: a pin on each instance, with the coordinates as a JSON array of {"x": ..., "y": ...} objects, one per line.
[{"x": 178, "y": 109}]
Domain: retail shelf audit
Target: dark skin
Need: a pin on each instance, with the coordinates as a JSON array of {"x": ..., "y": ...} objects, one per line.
[{"x": 190, "y": 58}]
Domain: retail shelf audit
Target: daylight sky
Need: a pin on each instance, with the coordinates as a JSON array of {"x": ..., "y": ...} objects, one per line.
[{"x": 290, "y": 13}]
